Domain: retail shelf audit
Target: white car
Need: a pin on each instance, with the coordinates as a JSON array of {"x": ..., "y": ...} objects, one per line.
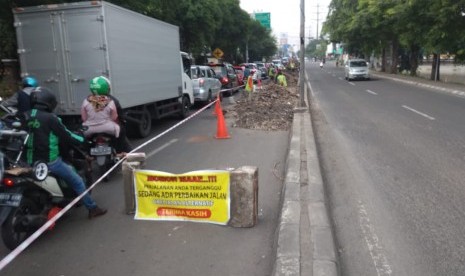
[
  {"x": 357, "y": 69},
  {"x": 205, "y": 83}
]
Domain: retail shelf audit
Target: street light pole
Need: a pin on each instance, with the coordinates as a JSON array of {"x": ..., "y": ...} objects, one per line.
[{"x": 302, "y": 54}]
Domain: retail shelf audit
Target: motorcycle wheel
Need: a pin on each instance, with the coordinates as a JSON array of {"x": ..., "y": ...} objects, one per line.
[
  {"x": 102, "y": 170},
  {"x": 13, "y": 232}
]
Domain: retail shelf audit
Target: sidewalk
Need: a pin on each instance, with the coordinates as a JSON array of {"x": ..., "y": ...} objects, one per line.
[
  {"x": 452, "y": 88},
  {"x": 305, "y": 239}
]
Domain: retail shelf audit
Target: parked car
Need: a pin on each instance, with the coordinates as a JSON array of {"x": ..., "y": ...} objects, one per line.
[
  {"x": 356, "y": 69},
  {"x": 261, "y": 66},
  {"x": 277, "y": 63},
  {"x": 227, "y": 76},
  {"x": 239, "y": 74},
  {"x": 250, "y": 67},
  {"x": 205, "y": 84}
]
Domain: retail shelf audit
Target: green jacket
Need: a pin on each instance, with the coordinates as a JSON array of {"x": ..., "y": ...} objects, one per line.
[{"x": 282, "y": 80}]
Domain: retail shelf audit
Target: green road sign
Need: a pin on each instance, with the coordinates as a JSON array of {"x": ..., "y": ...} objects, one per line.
[{"x": 264, "y": 19}]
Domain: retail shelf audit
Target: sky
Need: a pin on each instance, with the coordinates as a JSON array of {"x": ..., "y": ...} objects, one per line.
[{"x": 285, "y": 16}]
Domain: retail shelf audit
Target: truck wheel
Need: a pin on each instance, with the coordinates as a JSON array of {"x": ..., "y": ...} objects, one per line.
[
  {"x": 186, "y": 104},
  {"x": 145, "y": 123}
]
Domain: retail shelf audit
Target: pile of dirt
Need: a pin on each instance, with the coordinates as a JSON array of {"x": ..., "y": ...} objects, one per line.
[{"x": 272, "y": 106}]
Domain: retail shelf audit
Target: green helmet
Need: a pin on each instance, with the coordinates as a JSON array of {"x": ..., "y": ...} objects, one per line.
[{"x": 100, "y": 86}]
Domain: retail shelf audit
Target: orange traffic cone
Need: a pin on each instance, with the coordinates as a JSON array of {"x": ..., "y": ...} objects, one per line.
[
  {"x": 221, "y": 132},
  {"x": 217, "y": 109},
  {"x": 51, "y": 214}
]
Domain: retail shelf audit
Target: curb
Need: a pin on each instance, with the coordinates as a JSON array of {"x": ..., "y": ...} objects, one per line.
[
  {"x": 460, "y": 93},
  {"x": 288, "y": 240},
  {"x": 288, "y": 253}
]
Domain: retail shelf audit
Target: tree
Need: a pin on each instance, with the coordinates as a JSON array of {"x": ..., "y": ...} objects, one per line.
[
  {"x": 370, "y": 26},
  {"x": 316, "y": 48}
]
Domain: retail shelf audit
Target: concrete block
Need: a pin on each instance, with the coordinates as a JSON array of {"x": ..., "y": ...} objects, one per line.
[
  {"x": 136, "y": 157},
  {"x": 244, "y": 197},
  {"x": 128, "y": 185}
]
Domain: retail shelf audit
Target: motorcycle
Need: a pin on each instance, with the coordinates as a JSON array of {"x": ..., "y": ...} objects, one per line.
[
  {"x": 29, "y": 196},
  {"x": 103, "y": 151}
]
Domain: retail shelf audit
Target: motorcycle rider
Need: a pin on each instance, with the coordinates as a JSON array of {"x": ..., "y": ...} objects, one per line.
[
  {"x": 46, "y": 131},
  {"x": 102, "y": 113},
  {"x": 21, "y": 99}
]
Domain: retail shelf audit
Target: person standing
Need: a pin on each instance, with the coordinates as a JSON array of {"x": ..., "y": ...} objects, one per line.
[
  {"x": 249, "y": 87},
  {"x": 271, "y": 72}
]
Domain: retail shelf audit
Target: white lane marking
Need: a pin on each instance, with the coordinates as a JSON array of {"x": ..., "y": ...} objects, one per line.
[
  {"x": 340, "y": 78},
  {"x": 371, "y": 92},
  {"x": 376, "y": 250},
  {"x": 157, "y": 150},
  {"x": 418, "y": 112},
  {"x": 352, "y": 83}
]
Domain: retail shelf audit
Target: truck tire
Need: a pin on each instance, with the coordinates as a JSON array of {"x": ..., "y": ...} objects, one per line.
[
  {"x": 186, "y": 104},
  {"x": 145, "y": 124}
]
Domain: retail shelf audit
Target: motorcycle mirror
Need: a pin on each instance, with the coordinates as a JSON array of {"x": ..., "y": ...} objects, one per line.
[{"x": 16, "y": 124}]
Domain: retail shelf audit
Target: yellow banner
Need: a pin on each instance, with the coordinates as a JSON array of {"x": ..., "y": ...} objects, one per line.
[{"x": 194, "y": 196}]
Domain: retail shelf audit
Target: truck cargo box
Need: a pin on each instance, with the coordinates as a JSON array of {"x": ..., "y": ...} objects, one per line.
[{"x": 65, "y": 45}]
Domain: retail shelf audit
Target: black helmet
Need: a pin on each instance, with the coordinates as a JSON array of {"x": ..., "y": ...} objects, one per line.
[{"x": 44, "y": 99}]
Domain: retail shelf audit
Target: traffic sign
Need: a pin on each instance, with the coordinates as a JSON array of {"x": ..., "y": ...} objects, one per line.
[
  {"x": 218, "y": 53},
  {"x": 264, "y": 19}
]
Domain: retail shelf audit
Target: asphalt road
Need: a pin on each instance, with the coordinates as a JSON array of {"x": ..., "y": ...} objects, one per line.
[
  {"x": 392, "y": 157},
  {"x": 116, "y": 244}
]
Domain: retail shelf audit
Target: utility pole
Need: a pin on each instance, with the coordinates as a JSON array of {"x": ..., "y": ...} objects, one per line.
[
  {"x": 317, "y": 19},
  {"x": 302, "y": 54}
]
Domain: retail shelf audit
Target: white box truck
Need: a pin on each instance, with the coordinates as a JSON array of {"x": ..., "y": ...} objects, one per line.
[{"x": 64, "y": 46}]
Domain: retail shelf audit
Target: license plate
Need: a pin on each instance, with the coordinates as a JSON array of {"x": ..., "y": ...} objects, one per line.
[
  {"x": 102, "y": 150},
  {"x": 9, "y": 199}
]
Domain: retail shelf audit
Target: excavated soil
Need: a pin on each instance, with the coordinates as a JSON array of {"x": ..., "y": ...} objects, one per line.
[{"x": 271, "y": 107}]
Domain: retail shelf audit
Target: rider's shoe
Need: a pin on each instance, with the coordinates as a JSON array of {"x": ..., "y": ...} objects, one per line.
[{"x": 96, "y": 212}]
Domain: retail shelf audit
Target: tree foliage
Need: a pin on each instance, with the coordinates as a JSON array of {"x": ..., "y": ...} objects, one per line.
[
  {"x": 373, "y": 27},
  {"x": 203, "y": 26},
  {"x": 316, "y": 48}
]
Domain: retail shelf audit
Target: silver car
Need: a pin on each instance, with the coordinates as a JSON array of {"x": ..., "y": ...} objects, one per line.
[
  {"x": 357, "y": 69},
  {"x": 205, "y": 83}
]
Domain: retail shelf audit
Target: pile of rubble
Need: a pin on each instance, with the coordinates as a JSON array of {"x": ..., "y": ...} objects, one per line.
[{"x": 271, "y": 107}]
